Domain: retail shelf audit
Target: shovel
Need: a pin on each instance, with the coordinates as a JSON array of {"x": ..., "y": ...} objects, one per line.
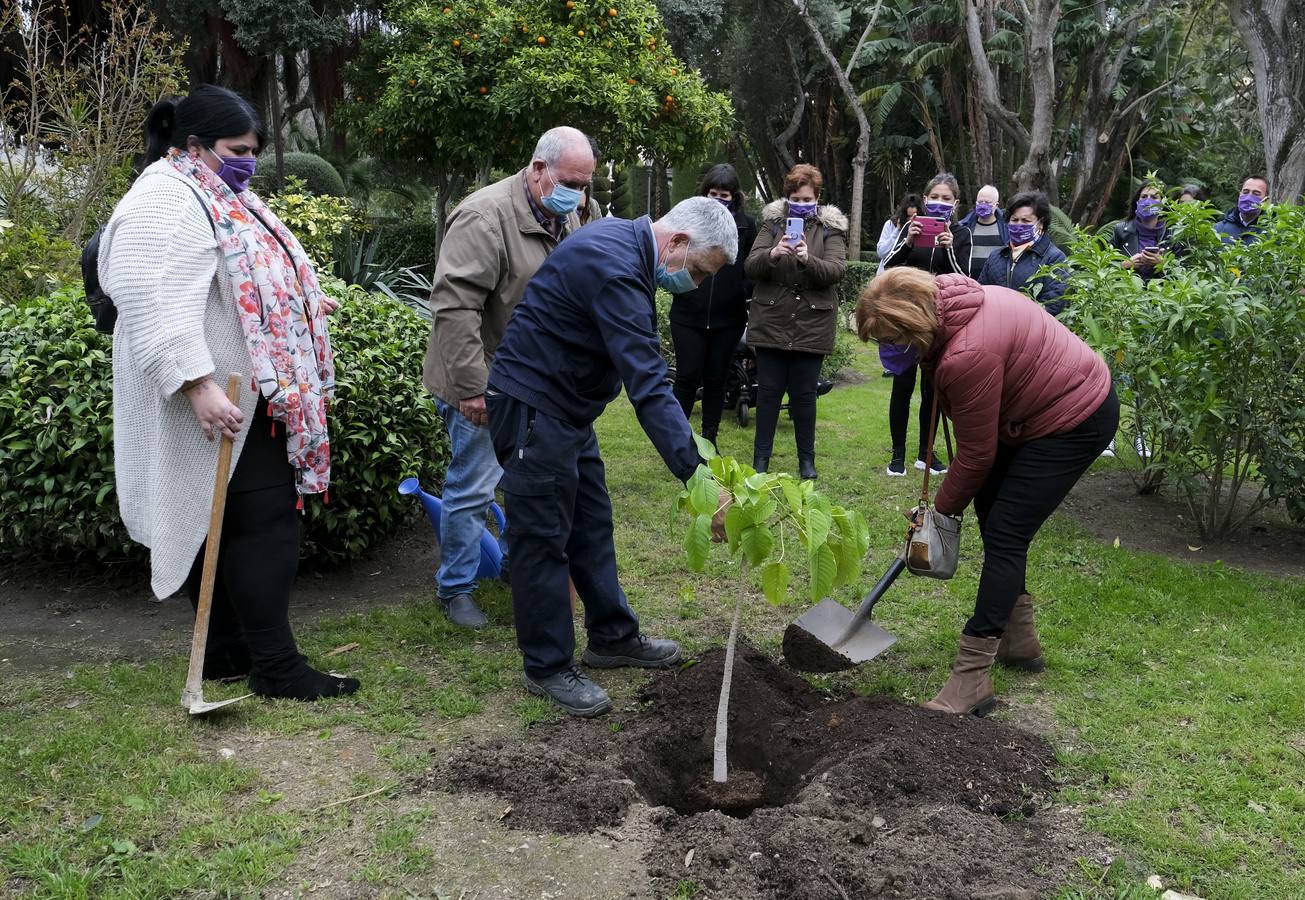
[
  {"x": 192, "y": 698},
  {"x": 829, "y": 637}
]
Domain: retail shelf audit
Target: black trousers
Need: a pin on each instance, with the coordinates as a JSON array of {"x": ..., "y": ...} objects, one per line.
[
  {"x": 795, "y": 373},
  {"x": 1024, "y": 487},
  {"x": 899, "y": 411},
  {"x": 560, "y": 519},
  {"x": 259, "y": 554},
  {"x": 702, "y": 359}
]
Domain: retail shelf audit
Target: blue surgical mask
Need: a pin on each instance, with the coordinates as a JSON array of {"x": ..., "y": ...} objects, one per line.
[
  {"x": 679, "y": 281},
  {"x": 563, "y": 200}
]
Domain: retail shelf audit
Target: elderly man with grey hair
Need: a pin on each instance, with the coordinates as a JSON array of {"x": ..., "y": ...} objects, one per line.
[
  {"x": 494, "y": 242},
  {"x": 586, "y": 326}
]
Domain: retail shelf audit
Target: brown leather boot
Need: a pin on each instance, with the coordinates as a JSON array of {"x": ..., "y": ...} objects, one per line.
[
  {"x": 969, "y": 689},
  {"x": 1019, "y": 647}
]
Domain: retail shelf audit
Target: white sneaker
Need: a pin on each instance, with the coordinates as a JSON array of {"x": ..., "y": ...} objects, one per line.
[
  {"x": 935, "y": 469},
  {"x": 1109, "y": 452},
  {"x": 1143, "y": 451},
  {"x": 896, "y": 469}
]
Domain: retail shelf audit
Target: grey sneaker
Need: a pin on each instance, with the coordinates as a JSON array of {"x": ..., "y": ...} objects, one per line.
[
  {"x": 462, "y": 610},
  {"x": 572, "y": 690},
  {"x": 640, "y": 651}
]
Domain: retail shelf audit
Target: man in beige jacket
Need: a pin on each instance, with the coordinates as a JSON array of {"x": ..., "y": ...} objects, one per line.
[{"x": 493, "y": 243}]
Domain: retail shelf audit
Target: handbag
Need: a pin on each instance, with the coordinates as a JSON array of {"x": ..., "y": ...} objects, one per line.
[{"x": 933, "y": 547}]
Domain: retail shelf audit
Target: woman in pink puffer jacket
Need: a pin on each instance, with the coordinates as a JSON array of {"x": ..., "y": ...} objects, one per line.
[{"x": 1032, "y": 406}]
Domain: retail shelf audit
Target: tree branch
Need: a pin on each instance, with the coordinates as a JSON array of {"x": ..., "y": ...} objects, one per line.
[{"x": 869, "y": 26}]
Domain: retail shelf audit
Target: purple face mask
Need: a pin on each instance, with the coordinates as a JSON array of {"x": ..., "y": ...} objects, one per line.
[
  {"x": 721, "y": 200},
  {"x": 940, "y": 210},
  {"x": 898, "y": 358},
  {"x": 983, "y": 209},
  {"x": 801, "y": 210},
  {"x": 236, "y": 171},
  {"x": 1249, "y": 203},
  {"x": 1148, "y": 207},
  {"x": 1021, "y": 232}
]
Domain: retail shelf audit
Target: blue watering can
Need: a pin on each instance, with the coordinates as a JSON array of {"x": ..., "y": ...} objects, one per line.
[{"x": 491, "y": 554}]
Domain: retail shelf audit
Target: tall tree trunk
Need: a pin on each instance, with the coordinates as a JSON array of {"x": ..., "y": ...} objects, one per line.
[
  {"x": 274, "y": 106},
  {"x": 1036, "y": 171},
  {"x": 863, "y": 128},
  {"x": 1274, "y": 33}
]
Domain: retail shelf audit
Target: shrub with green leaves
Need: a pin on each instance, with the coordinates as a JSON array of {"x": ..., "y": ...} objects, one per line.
[
  {"x": 33, "y": 261},
  {"x": 317, "y": 221},
  {"x": 412, "y": 244},
  {"x": 318, "y": 175},
  {"x": 384, "y": 426},
  {"x": 1209, "y": 359},
  {"x": 855, "y": 277},
  {"x": 56, "y": 430}
]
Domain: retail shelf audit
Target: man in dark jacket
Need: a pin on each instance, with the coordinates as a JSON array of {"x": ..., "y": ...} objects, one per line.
[
  {"x": 1242, "y": 223},
  {"x": 987, "y": 224},
  {"x": 586, "y": 326}
]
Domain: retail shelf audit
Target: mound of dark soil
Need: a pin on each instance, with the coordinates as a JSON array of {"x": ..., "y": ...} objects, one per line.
[{"x": 861, "y": 797}]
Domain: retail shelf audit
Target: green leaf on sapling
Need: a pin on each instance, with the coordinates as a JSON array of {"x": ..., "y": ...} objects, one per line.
[{"x": 774, "y": 582}]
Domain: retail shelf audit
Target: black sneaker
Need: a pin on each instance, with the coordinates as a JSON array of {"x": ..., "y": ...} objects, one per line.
[
  {"x": 462, "y": 610},
  {"x": 936, "y": 469},
  {"x": 897, "y": 468},
  {"x": 572, "y": 690},
  {"x": 640, "y": 651}
]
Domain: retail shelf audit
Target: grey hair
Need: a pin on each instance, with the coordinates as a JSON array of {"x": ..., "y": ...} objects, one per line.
[
  {"x": 710, "y": 225},
  {"x": 994, "y": 190},
  {"x": 554, "y": 142}
]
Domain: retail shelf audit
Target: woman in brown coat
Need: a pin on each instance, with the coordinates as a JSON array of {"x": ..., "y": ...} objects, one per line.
[
  {"x": 794, "y": 312},
  {"x": 1032, "y": 407}
]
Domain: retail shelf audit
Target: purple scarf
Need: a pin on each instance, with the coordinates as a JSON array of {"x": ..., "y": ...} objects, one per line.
[{"x": 1149, "y": 236}]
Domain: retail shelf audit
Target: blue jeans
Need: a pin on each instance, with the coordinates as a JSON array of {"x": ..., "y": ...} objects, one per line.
[{"x": 468, "y": 490}]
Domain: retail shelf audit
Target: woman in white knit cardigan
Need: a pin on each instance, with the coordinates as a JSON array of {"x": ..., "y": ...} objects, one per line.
[{"x": 208, "y": 282}]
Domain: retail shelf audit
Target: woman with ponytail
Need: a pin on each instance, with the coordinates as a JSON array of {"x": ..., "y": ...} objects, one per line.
[{"x": 207, "y": 281}]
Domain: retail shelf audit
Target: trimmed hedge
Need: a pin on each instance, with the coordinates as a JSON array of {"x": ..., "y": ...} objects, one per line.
[
  {"x": 407, "y": 244},
  {"x": 855, "y": 277},
  {"x": 321, "y": 178},
  {"x": 57, "y": 495}
]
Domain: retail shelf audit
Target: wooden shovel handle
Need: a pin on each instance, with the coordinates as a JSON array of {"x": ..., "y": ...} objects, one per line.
[{"x": 198, "y": 644}]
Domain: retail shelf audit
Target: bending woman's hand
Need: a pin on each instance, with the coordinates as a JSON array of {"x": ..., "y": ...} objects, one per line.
[{"x": 214, "y": 412}]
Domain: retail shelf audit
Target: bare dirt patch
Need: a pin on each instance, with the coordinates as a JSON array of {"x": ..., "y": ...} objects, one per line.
[
  {"x": 60, "y": 615},
  {"x": 857, "y": 797},
  {"x": 1107, "y": 505}
]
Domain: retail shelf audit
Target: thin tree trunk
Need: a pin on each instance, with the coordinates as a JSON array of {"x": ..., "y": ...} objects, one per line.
[
  {"x": 720, "y": 760},
  {"x": 274, "y": 104}
]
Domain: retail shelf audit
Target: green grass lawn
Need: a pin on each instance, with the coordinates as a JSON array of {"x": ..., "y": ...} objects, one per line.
[{"x": 1173, "y": 694}]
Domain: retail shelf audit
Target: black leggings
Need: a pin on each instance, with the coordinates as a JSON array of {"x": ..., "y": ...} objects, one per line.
[
  {"x": 259, "y": 554},
  {"x": 702, "y": 359},
  {"x": 899, "y": 411},
  {"x": 797, "y": 374},
  {"x": 1024, "y": 486}
]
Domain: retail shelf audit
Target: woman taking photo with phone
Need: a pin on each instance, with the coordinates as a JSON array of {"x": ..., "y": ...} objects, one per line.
[
  {"x": 796, "y": 264},
  {"x": 932, "y": 242},
  {"x": 707, "y": 322},
  {"x": 1141, "y": 235},
  {"x": 208, "y": 282}
]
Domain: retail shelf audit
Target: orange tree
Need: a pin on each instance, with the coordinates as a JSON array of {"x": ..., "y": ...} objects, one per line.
[{"x": 458, "y": 84}]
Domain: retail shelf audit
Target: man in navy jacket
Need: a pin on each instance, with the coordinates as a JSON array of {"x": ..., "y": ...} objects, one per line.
[{"x": 586, "y": 326}]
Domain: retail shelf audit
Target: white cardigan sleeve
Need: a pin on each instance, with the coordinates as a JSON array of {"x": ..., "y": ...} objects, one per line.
[
  {"x": 887, "y": 237},
  {"x": 159, "y": 269}
]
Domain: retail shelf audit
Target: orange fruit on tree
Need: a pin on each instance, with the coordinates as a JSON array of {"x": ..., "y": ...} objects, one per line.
[
  {"x": 580, "y": 32},
  {"x": 475, "y": 37},
  {"x": 630, "y": 81},
  {"x": 612, "y": 12},
  {"x": 412, "y": 82},
  {"x": 570, "y": 4},
  {"x": 484, "y": 90},
  {"x": 457, "y": 43},
  {"x": 447, "y": 10},
  {"x": 670, "y": 99},
  {"x": 541, "y": 40}
]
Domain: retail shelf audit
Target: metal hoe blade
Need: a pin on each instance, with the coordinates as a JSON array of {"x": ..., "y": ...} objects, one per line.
[{"x": 196, "y": 705}]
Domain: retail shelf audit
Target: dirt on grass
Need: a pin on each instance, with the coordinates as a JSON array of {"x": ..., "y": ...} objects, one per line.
[
  {"x": 827, "y": 798},
  {"x": 1106, "y": 504},
  {"x": 60, "y": 615}
]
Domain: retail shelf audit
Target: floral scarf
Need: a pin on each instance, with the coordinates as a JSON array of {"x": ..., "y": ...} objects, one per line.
[{"x": 281, "y": 312}]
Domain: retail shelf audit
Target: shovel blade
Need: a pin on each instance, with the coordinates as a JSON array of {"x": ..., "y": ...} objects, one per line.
[
  {"x": 196, "y": 705},
  {"x": 818, "y": 641}
]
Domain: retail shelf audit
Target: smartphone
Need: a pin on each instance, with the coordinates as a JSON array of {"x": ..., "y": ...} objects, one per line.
[
  {"x": 793, "y": 229},
  {"x": 930, "y": 228}
]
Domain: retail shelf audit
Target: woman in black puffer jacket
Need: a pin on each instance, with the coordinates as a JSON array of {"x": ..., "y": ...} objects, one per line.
[{"x": 707, "y": 322}]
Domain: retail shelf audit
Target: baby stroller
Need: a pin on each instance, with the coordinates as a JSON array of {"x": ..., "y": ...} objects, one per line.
[{"x": 741, "y": 383}]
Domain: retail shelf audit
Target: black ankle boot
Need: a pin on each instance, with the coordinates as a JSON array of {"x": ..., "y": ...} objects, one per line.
[
  {"x": 280, "y": 670},
  {"x": 760, "y": 463},
  {"x": 227, "y": 662},
  {"x": 807, "y": 466}
]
